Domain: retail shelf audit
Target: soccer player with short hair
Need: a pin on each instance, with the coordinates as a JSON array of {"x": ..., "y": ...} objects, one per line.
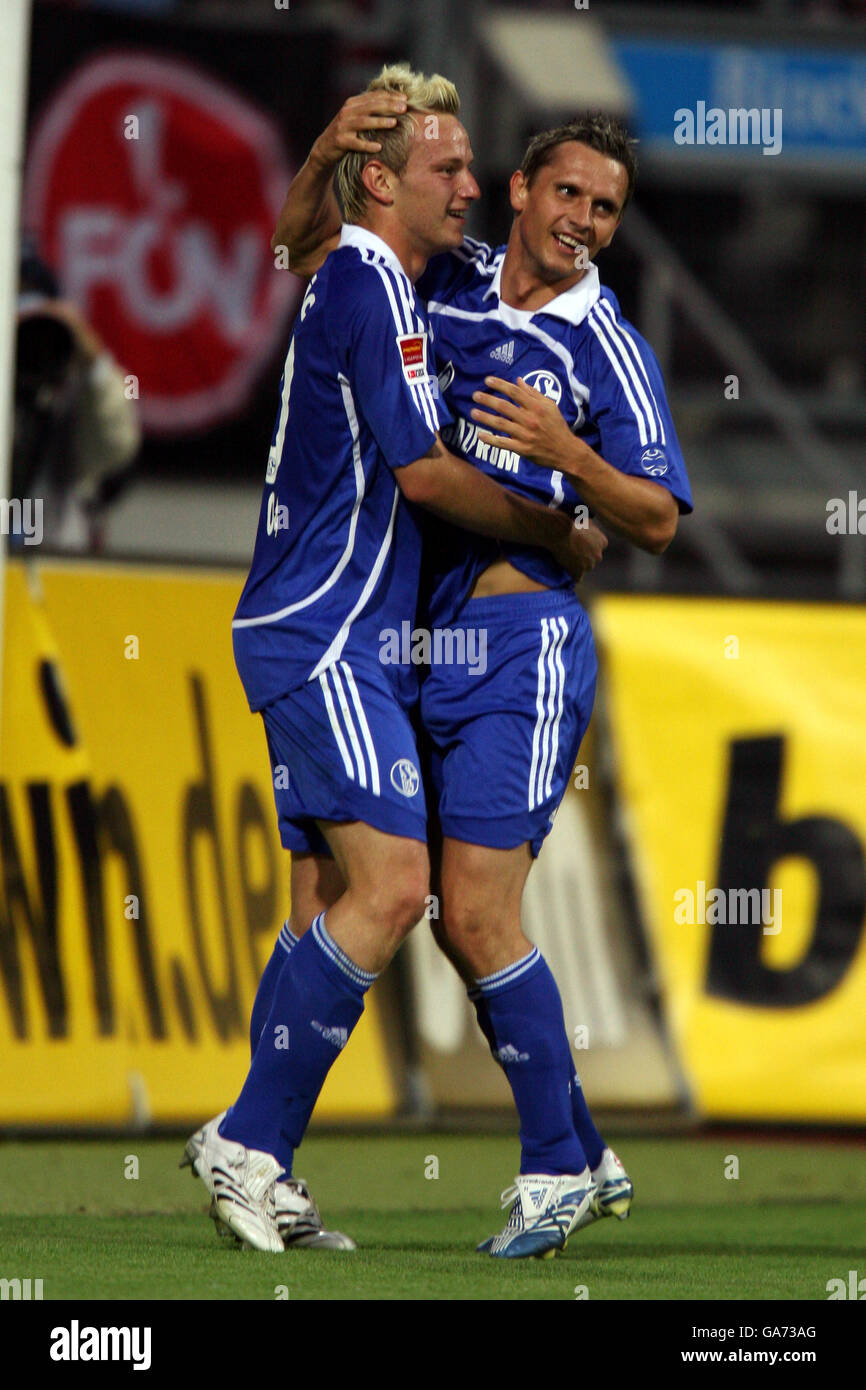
[
  {"x": 553, "y": 391},
  {"x": 336, "y": 560},
  {"x": 575, "y": 416}
]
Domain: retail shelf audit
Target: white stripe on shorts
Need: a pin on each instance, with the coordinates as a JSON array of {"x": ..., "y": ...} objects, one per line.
[
  {"x": 350, "y": 727},
  {"x": 365, "y": 727},
  {"x": 554, "y": 738},
  {"x": 344, "y": 725},
  {"x": 548, "y": 705},
  {"x": 335, "y": 724}
]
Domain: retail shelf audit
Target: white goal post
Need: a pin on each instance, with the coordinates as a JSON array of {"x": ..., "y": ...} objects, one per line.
[{"x": 14, "y": 65}]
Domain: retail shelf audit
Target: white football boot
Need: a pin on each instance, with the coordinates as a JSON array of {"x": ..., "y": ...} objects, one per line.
[
  {"x": 296, "y": 1214},
  {"x": 614, "y": 1191},
  {"x": 615, "y": 1188},
  {"x": 545, "y": 1210},
  {"x": 241, "y": 1182},
  {"x": 299, "y": 1222},
  {"x": 192, "y": 1154}
]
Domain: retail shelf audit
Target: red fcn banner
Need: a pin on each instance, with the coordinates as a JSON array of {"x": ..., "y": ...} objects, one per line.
[{"x": 152, "y": 190}]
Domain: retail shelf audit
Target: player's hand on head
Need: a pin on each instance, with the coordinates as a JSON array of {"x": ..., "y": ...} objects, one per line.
[
  {"x": 520, "y": 418},
  {"x": 369, "y": 111}
]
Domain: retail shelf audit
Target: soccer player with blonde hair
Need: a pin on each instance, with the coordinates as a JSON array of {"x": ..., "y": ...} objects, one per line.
[{"x": 337, "y": 560}]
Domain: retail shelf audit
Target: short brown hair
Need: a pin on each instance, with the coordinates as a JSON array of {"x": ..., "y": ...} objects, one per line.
[
  {"x": 603, "y": 133},
  {"x": 422, "y": 94}
]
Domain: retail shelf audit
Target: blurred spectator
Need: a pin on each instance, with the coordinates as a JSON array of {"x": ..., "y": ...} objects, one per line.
[{"x": 76, "y": 433}]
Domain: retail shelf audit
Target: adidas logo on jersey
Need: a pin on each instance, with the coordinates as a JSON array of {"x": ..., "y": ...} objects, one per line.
[
  {"x": 509, "y": 1053},
  {"x": 504, "y": 353},
  {"x": 338, "y": 1037}
]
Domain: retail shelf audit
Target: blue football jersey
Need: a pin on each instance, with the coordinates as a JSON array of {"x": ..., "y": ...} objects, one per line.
[
  {"x": 338, "y": 549},
  {"x": 581, "y": 353}
]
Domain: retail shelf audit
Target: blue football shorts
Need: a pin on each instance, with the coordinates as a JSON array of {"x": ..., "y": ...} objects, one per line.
[
  {"x": 342, "y": 749},
  {"x": 505, "y": 723}
]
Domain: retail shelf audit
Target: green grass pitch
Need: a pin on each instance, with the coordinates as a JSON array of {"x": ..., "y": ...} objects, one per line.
[{"x": 794, "y": 1218}]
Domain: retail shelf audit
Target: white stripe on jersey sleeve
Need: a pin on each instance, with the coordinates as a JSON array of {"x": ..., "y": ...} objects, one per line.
[
  {"x": 405, "y": 321},
  {"x": 408, "y": 306},
  {"x": 610, "y": 337},
  {"x": 607, "y": 308},
  {"x": 404, "y": 325},
  {"x": 421, "y": 393},
  {"x": 477, "y": 253},
  {"x": 423, "y": 388},
  {"x": 612, "y": 356}
]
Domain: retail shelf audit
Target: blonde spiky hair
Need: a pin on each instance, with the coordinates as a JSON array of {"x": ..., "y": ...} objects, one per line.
[{"x": 426, "y": 94}]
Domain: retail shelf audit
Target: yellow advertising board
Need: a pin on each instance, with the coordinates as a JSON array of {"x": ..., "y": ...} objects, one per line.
[
  {"x": 143, "y": 882},
  {"x": 739, "y": 732}
]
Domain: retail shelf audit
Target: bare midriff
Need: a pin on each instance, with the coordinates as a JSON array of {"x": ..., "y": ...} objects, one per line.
[{"x": 502, "y": 578}]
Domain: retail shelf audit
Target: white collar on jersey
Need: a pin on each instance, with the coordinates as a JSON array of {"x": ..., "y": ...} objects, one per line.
[
  {"x": 352, "y": 235},
  {"x": 573, "y": 305}
]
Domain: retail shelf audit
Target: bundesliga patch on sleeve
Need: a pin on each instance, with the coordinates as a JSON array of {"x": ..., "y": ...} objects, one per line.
[
  {"x": 653, "y": 461},
  {"x": 413, "y": 354}
]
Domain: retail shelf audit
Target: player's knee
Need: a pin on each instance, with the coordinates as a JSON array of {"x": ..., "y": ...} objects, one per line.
[
  {"x": 471, "y": 907},
  {"x": 402, "y": 894},
  {"x": 470, "y": 942},
  {"x": 480, "y": 926},
  {"x": 461, "y": 921},
  {"x": 412, "y": 901}
]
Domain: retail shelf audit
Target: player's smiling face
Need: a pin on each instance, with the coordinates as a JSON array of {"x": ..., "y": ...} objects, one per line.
[
  {"x": 436, "y": 189},
  {"x": 573, "y": 201}
]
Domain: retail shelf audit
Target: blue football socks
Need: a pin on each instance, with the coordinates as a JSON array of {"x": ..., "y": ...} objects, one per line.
[
  {"x": 520, "y": 1013},
  {"x": 317, "y": 1000},
  {"x": 593, "y": 1144},
  {"x": 268, "y": 983}
]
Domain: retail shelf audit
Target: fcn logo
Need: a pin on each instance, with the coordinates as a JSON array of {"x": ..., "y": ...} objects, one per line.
[{"x": 153, "y": 191}]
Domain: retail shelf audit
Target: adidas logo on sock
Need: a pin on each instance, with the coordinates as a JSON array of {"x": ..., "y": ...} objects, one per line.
[
  {"x": 509, "y": 1053},
  {"x": 338, "y": 1037},
  {"x": 504, "y": 353}
]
